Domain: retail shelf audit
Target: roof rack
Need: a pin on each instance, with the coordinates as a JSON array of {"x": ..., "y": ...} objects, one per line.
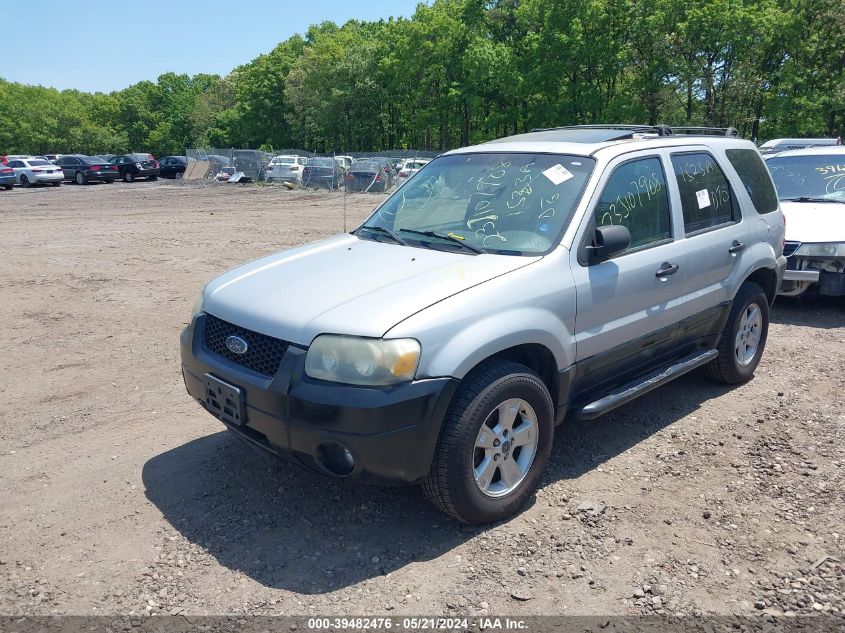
[{"x": 659, "y": 129}]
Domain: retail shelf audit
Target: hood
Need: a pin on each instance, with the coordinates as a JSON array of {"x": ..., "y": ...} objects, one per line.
[
  {"x": 345, "y": 285},
  {"x": 810, "y": 222}
]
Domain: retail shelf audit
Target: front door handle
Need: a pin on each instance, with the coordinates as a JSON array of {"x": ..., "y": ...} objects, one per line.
[
  {"x": 736, "y": 247},
  {"x": 666, "y": 269}
]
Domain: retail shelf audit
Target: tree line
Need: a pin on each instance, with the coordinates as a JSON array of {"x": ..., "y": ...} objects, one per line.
[{"x": 465, "y": 71}]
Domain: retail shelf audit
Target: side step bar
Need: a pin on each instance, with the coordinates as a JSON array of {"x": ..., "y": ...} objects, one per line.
[{"x": 634, "y": 390}]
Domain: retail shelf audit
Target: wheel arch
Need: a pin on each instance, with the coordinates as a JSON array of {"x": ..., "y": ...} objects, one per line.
[{"x": 767, "y": 279}]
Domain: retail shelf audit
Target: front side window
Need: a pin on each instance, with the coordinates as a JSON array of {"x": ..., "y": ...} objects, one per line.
[
  {"x": 635, "y": 197},
  {"x": 813, "y": 177},
  {"x": 705, "y": 193},
  {"x": 504, "y": 203},
  {"x": 755, "y": 178}
]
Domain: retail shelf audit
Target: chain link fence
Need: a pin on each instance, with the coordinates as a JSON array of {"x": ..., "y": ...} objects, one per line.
[{"x": 378, "y": 172}]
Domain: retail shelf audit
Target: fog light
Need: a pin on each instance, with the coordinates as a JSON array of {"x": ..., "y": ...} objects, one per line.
[{"x": 335, "y": 458}]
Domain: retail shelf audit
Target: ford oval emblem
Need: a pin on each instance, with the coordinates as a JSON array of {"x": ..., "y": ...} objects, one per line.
[{"x": 237, "y": 345}]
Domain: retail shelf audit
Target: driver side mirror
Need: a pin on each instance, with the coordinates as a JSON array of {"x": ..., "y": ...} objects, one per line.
[{"x": 607, "y": 242}]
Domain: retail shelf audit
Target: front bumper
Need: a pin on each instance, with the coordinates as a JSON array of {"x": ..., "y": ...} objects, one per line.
[
  {"x": 390, "y": 432},
  {"x": 804, "y": 272}
]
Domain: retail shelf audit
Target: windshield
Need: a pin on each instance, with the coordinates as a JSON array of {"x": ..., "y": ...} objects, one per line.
[
  {"x": 92, "y": 160},
  {"x": 817, "y": 176},
  {"x": 139, "y": 157},
  {"x": 320, "y": 162},
  {"x": 515, "y": 204},
  {"x": 38, "y": 162},
  {"x": 287, "y": 160}
]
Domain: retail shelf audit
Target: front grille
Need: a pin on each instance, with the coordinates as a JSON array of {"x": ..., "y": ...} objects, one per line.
[
  {"x": 263, "y": 354},
  {"x": 790, "y": 247}
]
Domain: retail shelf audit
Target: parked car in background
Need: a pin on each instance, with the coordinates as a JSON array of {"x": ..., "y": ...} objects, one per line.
[
  {"x": 137, "y": 165},
  {"x": 785, "y": 144},
  {"x": 345, "y": 161},
  {"x": 35, "y": 171},
  {"x": 322, "y": 172},
  {"x": 251, "y": 162},
  {"x": 410, "y": 167},
  {"x": 53, "y": 157},
  {"x": 285, "y": 169},
  {"x": 172, "y": 166},
  {"x": 7, "y": 177},
  {"x": 83, "y": 169},
  {"x": 368, "y": 176},
  {"x": 811, "y": 186}
]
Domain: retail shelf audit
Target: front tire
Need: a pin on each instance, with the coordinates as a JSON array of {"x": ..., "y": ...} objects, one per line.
[
  {"x": 25, "y": 182},
  {"x": 57, "y": 184},
  {"x": 494, "y": 445},
  {"x": 744, "y": 337},
  {"x": 153, "y": 178}
]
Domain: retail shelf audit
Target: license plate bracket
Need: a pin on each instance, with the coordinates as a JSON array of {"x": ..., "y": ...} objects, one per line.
[{"x": 224, "y": 401}]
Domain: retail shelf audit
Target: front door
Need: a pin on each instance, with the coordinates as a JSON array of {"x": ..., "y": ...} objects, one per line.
[{"x": 629, "y": 307}]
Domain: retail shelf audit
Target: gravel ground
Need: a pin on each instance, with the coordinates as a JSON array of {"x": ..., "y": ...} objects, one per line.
[{"x": 119, "y": 495}]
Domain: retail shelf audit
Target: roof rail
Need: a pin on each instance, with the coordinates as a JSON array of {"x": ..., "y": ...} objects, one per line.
[
  {"x": 660, "y": 129},
  {"x": 706, "y": 131}
]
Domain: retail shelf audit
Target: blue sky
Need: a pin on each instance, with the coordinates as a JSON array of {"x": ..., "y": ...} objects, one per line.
[{"x": 63, "y": 45}]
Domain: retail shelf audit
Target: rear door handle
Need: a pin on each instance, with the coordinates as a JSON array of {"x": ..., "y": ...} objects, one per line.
[
  {"x": 666, "y": 269},
  {"x": 736, "y": 247}
]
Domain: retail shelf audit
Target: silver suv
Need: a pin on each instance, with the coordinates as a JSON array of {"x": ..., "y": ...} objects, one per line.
[{"x": 506, "y": 286}]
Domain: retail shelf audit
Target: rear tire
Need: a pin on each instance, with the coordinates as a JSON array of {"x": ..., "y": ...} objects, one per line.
[
  {"x": 472, "y": 475},
  {"x": 744, "y": 337},
  {"x": 57, "y": 184},
  {"x": 128, "y": 176},
  {"x": 80, "y": 178},
  {"x": 8, "y": 187},
  {"x": 153, "y": 178}
]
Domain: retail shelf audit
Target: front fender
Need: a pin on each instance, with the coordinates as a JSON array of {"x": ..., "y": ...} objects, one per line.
[{"x": 477, "y": 341}]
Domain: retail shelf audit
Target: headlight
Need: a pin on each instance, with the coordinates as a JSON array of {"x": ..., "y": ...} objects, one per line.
[
  {"x": 826, "y": 249},
  {"x": 198, "y": 304},
  {"x": 362, "y": 361}
]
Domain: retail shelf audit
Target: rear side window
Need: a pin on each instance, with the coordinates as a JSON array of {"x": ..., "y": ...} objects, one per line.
[
  {"x": 755, "y": 178},
  {"x": 705, "y": 193},
  {"x": 635, "y": 197}
]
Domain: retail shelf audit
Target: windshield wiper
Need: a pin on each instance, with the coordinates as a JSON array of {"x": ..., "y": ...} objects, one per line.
[
  {"x": 380, "y": 229},
  {"x": 811, "y": 199},
  {"x": 448, "y": 236}
]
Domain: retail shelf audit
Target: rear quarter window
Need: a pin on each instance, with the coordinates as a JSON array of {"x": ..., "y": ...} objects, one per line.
[{"x": 755, "y": 178}]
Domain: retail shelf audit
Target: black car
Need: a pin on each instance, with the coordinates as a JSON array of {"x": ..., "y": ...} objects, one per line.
[
  {"x": 172, "y": 166},
  {"x": 83, "y": 169},
  {"x": 367, "y": 175},
  {"x": 322, "y": 172},
  {"x": 139, "y": 165}
]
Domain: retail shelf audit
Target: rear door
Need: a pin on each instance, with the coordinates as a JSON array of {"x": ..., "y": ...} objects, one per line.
[
  {"x": 714, "y": 231},
  {"x": 630, "y": 306}
]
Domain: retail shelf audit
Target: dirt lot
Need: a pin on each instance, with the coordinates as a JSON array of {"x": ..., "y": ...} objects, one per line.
[{"x": 119, "y": 495}]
